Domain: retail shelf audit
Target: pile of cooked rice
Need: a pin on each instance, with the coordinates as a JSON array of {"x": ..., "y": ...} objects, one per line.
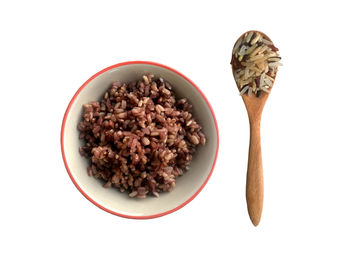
[
  {"x": 139, "y": 137},
  {"x": 255, "y": 60}
]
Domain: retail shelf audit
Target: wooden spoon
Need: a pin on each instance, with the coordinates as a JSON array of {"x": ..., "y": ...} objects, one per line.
[{"x": 255, "y": 180}]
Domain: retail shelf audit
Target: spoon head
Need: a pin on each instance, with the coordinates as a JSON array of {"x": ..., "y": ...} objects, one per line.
[{"x": 249, "y": 52}]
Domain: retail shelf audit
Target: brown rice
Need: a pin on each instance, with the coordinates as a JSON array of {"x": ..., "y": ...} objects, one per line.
[{"x": 139, "y": 138}]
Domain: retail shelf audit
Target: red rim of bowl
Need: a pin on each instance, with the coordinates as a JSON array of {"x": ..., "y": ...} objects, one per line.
[{"x": 65, "y": 160}]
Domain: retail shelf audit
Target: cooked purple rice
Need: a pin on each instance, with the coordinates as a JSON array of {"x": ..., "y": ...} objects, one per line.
[{"x": 139, "y": 138}]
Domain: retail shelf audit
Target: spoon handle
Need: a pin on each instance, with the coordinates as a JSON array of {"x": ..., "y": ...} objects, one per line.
[{"x": 255, "y": 179}]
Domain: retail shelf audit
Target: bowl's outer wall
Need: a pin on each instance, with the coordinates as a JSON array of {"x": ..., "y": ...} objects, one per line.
[{"x": 111, "y": 200}]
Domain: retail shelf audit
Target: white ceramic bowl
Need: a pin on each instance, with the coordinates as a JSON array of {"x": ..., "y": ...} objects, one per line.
[{"x": 111, "y": 200}]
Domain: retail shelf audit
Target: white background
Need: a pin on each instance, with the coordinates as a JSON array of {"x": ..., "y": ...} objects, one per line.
[{"x": 48, "y": 49}]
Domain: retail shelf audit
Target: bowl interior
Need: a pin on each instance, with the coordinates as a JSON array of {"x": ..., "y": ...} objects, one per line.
[{"x": 186, "y": 185}]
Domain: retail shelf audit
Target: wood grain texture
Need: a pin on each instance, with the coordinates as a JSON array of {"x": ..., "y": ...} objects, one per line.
[{"x": 255, "y": 177}]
